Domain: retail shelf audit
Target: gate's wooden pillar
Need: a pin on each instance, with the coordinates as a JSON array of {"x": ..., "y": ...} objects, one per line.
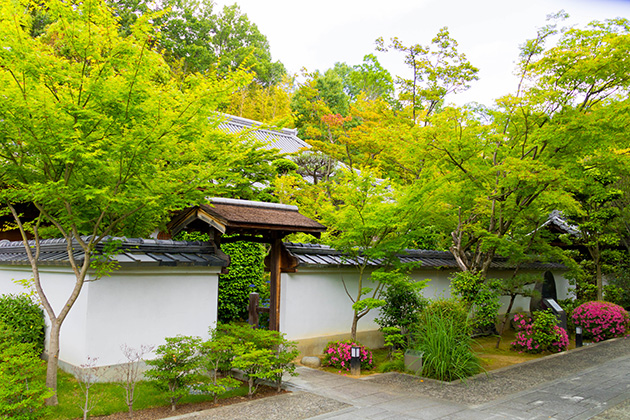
[{"x": 275, "y": 261}]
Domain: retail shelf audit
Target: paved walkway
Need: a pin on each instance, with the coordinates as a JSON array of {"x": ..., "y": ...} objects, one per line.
[{"x": 592, "y": 382}]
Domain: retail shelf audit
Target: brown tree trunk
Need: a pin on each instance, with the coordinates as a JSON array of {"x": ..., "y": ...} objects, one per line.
[
  {"x": 53, "y": 361},
  {"x": 353, "y": 330},
  {"x": 505, "y": 319},
  {"x": 600, "y": 287}
]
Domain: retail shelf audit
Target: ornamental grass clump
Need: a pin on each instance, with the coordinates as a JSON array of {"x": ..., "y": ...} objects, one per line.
[
  {"x": 539, "y": 334},
  {"x": 338, "y": 353},
  {"x": 601, "y": 320},
  {"x": 443, "y": 335}
]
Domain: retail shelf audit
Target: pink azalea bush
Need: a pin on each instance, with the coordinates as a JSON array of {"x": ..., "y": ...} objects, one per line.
[
  {"x": 337, "y": 354},
  {"x": 601, "y": 320},
  {"x": 539, "y": 334}
]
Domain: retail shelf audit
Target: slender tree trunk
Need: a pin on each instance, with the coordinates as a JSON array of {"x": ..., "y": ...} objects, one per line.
[
  {"x": 53, "y": 361},
  {"x": 505, "y": 319},
  {"x": 353, "y": 330},
  {"x": 600, "y": 287}
]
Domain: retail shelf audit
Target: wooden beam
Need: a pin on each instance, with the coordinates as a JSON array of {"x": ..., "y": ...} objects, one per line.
[
  {"x": 245, "y": 238},
  {"x": 275, "y": 257}
]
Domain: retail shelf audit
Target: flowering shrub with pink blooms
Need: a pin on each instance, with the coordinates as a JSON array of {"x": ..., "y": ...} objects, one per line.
[
  {"x": 601, "y": 320},
  {"x": 337, "y": 354},
  {"x": 539, "y": 334}
]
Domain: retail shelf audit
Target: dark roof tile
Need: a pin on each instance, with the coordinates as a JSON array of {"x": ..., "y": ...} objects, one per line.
[
  {"x": 132, "y": 251},
  {"x": 320, "y": 255}
]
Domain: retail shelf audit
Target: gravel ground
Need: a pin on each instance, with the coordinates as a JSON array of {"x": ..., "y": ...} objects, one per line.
[
  {"x": 620, "y": 412},
  {"x": 483, "y": 388},
  {"x": 294, "y": 405}
]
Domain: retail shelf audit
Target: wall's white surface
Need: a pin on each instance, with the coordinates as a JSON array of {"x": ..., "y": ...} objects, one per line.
[
  {"x": 141, "y": 307},
  {"x": 134, "y": 306},
  {"x": 137, "y": 306},
  {"x": 314, "y": 303},
  {"x": 57, "y": 283}
]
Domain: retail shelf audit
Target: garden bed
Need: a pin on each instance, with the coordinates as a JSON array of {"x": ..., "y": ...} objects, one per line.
[
  {"x": 484, "y": 347},
  {"x": 150, "y": 405}
]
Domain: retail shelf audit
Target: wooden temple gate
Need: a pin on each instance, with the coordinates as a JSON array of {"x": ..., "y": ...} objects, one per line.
[{"x": 251, "y": 221}]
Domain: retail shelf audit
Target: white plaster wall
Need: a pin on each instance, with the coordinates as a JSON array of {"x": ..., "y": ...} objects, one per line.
[
  {"x": 314, "y": 303},
  {"x": 134, "y": 306},
  {"x": 438, "y": 285},
  {"x": 57, "y": 283},
  {"x": 142, "y": 306}
]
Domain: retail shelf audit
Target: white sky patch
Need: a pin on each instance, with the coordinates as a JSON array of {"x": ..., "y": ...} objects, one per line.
[{"x": 316, "y": 35}]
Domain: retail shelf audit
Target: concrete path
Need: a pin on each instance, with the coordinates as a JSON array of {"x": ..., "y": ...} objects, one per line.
[{"x": 592, "y": 382}]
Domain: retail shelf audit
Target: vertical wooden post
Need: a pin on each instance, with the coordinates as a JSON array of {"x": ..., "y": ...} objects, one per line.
[
  {"x": 274, "y": 286},
  {"x": 253, "y": 309}
]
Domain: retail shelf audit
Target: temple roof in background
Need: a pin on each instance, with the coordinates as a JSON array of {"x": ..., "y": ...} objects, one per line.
[{"x": 284, "y": 139}]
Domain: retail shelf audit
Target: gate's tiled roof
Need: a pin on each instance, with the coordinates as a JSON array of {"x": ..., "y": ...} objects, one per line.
[
  {"x": 323, "y": 255},
  {"x": 131, "y": 251}
]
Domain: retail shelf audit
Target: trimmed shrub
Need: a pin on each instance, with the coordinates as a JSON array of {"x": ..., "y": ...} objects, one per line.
[
  {"x": 176, "y": 367},
  {"x": 260, "y": 354},
  {"x": 444, "y": 338},
  {"x": 539, "y": 334},
  {"x": 22, "y": 387},
  {"x": 337, "y": 354},
  {"x": 25, "y": 319},
  {"x": 480, "y": 297},
  {"x": 601, "y": 320},
  {"x": 403, "y": 305}
]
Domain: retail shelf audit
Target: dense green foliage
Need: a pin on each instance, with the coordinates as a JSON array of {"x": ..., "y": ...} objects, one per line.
[
  {"x": 480, "y": 296},
  {"x": 246, "y": 275},
  {"x": 23, "y": 390},
  {"x": 401, "y": 311},
  {"x": 197, "y": 39},
  {"x": 25, "y": 319},
  {"x": 261, "y": 354}
]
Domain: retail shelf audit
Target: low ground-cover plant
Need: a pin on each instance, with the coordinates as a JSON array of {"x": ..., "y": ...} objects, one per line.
[
  {"x": 337, "y": 354},
  {"x": 601, "y": 320},
  {"x": 539, "y": 334},
  {"x": 443, "y": 336}
]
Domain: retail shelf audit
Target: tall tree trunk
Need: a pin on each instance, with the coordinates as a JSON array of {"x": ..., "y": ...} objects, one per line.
[
  {"x": 353, "y": 330},
  {"x": 505, "y": 319},
  {"x": 53, "y": 360},
  {"x": 600, "y": 287}
]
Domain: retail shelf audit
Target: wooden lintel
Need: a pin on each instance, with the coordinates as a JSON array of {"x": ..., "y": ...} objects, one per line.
[{"x": 245, "y": 238}]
